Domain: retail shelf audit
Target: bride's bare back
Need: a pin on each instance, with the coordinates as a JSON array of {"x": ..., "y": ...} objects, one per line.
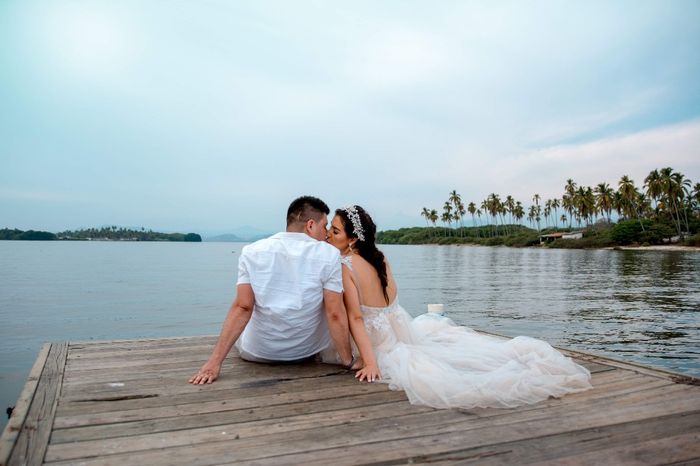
[{"x": 369, "y": 285}]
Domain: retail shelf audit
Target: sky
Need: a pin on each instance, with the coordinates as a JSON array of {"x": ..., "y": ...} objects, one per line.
[{"x": 207, "y": 116}]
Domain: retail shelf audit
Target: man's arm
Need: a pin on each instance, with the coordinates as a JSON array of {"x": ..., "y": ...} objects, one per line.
[
  {"x": 338, "y": 324},
  {"x": 236, "y": 320}
]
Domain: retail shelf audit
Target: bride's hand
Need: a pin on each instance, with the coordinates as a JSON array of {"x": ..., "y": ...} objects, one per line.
[{"x": 370, "y": 373}]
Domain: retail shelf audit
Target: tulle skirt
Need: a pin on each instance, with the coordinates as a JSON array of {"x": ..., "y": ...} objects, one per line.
[{"x": 443, "y": 365}]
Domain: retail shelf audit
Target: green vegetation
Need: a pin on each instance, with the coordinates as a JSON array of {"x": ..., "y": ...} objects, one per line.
[
  {"x": 29, "y": 235},
  {"x": 517, "y": 235},
  {"x": 666, "y": 207},
  {"x": 112, "y": 233}
]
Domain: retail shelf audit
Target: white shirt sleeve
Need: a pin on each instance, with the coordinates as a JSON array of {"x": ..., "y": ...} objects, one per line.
[
  {"x": 243, "y": 269},
  {"x": 334, "y": 278}
]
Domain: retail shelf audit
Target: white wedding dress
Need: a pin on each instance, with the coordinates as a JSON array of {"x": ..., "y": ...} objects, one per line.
[{"x": 443, "y": 365}]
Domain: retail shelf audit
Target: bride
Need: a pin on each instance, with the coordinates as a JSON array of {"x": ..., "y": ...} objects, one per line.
[{"x": 436, "y": 362}]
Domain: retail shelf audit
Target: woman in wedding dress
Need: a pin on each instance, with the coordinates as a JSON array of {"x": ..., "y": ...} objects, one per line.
[{"x": 436, "y": 362}]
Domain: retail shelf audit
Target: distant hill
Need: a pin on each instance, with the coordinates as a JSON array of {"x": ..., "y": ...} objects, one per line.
[
  {"x": 240, "y": 234},
  {"x": 223, "y": 238}
]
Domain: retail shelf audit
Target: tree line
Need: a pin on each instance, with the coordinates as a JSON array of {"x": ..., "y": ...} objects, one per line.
[
  {"x": 110, "y": 233},
  {"x": 666, "y": 196}
]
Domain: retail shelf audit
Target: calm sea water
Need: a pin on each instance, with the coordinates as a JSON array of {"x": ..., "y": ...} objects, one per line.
[{"x": 642, "y": 306}]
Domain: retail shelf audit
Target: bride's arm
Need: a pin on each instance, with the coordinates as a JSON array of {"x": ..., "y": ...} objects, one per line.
[{"x": 370, "y": 371}]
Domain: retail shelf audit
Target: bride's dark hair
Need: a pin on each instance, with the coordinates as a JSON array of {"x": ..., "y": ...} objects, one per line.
[{"x": 366, "y": 247}]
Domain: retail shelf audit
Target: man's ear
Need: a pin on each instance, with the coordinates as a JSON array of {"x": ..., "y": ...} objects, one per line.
[{"x": 308, "y": 228}]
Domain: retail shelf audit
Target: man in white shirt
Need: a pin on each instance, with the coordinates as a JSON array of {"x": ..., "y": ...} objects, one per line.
[{"x": 289, "y": 300}]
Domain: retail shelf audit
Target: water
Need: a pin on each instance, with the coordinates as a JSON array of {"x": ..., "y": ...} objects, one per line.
[{"x": 641, "y": 306}]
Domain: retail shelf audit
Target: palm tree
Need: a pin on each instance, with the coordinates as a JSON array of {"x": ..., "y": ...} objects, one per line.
[
  {"x": 555, "y": 206},
  {"x": 447, "y": 215},
  {"x": 604, "y": 199},
  {"x": 459, "y": 211},
  {"x": 509, "y": 204},
  {"x": 484, "y": 209},
  {"x": 426, "y": 213},
  {"x": 531, "y": 213},
  {"x": 434, "y": 217},
  {"x": 695, "y": 198},
  {"x": 654, "y": 186},
  {"x": 629, "y": 196},
  {"x": 493, "y": 207},
  {"x": 567, "y": 202},
  {"x": 454, "y": 198},
  {"x": 518, "y": 212},
  {"x": 683, "y": 192},
  {"x": 547, "y": 213}
]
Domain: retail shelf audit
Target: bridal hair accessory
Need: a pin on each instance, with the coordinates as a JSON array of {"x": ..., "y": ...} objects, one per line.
[{"x": 356, "y": 223}]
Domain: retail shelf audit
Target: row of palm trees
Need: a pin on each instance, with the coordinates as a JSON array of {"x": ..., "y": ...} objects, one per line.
[{"x": 666, "y": 195}]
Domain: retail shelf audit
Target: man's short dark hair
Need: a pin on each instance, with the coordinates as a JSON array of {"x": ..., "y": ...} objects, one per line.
[{"x": 305, "y": 208}]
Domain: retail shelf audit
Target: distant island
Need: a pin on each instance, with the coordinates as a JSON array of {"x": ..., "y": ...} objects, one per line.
[{"x": 112, "y": 233}]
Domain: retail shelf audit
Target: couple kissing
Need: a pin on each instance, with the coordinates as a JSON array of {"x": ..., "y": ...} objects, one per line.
[{"x": 303, "y": 294}]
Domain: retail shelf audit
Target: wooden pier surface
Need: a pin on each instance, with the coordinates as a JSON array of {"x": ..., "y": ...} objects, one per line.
[{"x": 128, "y": 402}]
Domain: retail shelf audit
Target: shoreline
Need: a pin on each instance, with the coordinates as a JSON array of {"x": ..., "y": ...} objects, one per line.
[{"x": 656, "y": 247}]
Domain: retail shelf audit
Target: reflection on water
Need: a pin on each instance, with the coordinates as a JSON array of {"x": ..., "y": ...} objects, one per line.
[
  {"x": 641, "y": 306},
  {"x": 635, "y": 305}
]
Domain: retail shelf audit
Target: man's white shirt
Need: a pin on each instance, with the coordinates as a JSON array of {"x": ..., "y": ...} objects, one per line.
[{"x": 288, "y": 273}]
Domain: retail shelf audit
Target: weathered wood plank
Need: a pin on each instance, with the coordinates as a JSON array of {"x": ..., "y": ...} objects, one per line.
[
  {"x": 19, "y": 415},
  {"x": 682, "y": 448},
  {"x": 75, "y": 398},
  {"x": 222, "y": 417},
  {"x": 218, "y": 405},
  {"x": 234, "y": 431},
  {"x": 199, "y": 394},
  {"x": 402, "y": 435},
  {"x": 627, "y": 365},
  {"x": 129, "y": 402},
  {"x": 231, "y": 368},
  {"x": 86, "y": 368},
  {"x": 33, "y": 438},
  {"x": 145, "y": 382},
  {"x": 110, "y": 430},
  {"x": 530, "y": 450},
  {"x": 608, "y": 383},
  {"x": 85, "y": 358},
  {"x": 138, "y": 342}
]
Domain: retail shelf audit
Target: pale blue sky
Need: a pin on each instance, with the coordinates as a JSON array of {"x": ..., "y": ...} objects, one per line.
[{"x": 209, "y": 115}]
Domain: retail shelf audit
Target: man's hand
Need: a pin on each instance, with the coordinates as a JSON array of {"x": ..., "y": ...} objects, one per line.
[
  {"x": 236, "y": 320},
  {"x": 207, "y": 374}
]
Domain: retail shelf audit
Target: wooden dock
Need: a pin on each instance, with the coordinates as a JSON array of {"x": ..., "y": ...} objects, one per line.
[{"x": 128, "y": 402}]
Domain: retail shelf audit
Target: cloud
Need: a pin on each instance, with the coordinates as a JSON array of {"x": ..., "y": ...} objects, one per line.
[{"x": 603, "y": 160}]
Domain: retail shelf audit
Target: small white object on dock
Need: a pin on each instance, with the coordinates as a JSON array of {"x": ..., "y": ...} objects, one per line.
[{"x": 436, "y": 308}]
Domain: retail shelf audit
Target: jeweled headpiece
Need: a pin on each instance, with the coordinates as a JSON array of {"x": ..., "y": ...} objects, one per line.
[{"x": 354, "y": 217}]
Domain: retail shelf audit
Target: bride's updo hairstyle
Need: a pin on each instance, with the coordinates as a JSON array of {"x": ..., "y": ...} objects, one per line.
[{"x": 365, "y": 244}]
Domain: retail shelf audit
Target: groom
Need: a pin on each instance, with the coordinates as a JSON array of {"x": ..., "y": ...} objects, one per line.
[{"x": 289, "y": 298}]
